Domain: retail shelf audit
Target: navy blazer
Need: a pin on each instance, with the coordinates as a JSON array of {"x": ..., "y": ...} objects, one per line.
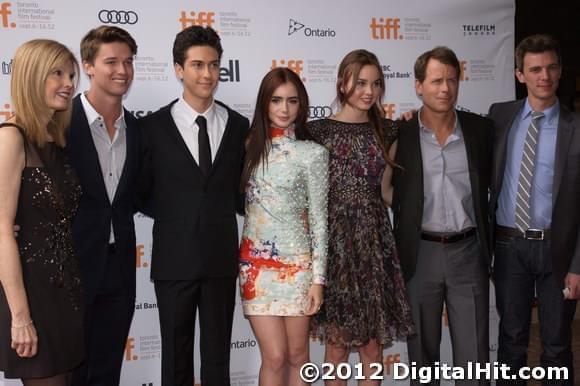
[
  {"x": 565, "y": 242},
  {"x": 92, "y": 224}
]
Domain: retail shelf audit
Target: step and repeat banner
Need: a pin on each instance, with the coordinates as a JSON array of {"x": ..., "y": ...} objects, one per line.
[{"x": 310, "y": 38}]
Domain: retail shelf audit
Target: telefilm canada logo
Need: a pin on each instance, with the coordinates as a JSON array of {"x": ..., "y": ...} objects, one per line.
[
  {"x": 294, "y": 26},
  {"x": 478, "y": 29}
]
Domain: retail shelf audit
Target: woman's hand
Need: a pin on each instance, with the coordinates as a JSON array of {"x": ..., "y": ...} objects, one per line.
[
  {"x": 24, "y": 339},
  {"x": 314, "y": 299}
]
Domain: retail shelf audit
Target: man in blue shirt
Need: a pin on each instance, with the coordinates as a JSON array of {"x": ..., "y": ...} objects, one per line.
[{"x": 536, "y": 208}]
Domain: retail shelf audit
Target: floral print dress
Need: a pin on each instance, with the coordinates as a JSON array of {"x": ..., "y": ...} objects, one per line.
[
  {"x": 364, "y": 297},
  {"x": 284, "y": 241}
]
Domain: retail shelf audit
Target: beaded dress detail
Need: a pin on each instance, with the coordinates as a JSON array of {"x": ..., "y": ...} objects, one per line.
[
  {"x": 284, "y": 241},
  {"x": 364, "y": 297},
  {"x": 48, "y": 200}
]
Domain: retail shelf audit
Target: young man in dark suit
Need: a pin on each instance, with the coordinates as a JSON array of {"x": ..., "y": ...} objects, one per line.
[
  {"x": 193, "y": 152},
  {"x": 441, "y": 218},
  {"x": 536, "y": 207},
  {"x": 103, "y": 148}
]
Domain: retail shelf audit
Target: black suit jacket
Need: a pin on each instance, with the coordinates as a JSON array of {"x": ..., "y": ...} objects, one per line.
[
  {"x": 565, "y": 242},
  {"x": 408, "y": 185},
  {"x": 195, "y": 233},
  {"x": 92, "y": 224}
]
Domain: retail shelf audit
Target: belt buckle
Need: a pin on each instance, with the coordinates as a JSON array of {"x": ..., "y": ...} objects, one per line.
[{"x": 534, "y": 234}]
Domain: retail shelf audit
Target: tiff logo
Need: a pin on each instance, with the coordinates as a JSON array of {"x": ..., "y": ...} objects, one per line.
[
  {"x": 7, "y": 67},
  {"x": 385, "y": 28},
  {"x": 294, "y": 65},
  {"x": 6, "y": 113},
  {"x": 204, "y": 19},
  {"x": 4, "y": 13}
]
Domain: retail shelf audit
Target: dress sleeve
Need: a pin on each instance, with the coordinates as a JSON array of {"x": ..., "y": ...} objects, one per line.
[
  {"x": 317, "y": 190},
  {"x": 390, "y": 132}
]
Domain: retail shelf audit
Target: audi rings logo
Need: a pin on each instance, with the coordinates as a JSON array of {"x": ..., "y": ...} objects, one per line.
[
  {"x": 319, "y": 111},
  {"x": 118, "y": 17}
]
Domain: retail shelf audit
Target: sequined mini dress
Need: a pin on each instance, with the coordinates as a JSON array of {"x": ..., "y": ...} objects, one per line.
[
  {"x": 364, "y": 297},
  {"x": 284, "y": 240},
  {"x": 48, "y": 199}
]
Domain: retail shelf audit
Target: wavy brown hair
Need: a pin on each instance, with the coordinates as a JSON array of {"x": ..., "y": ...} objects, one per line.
[
  {"x": 259, "y": 140},
  {"x": 350, "y": 68}
]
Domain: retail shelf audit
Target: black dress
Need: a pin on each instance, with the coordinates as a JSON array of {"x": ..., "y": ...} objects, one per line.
[
  {"x": 49, "y": 196},
  {"x": 364, "y": 297}
]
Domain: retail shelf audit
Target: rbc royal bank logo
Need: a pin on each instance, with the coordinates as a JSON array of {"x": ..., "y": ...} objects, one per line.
[
  {"x": 202, "y": 18},
  {"x": 386, "y": 28},
  {"x": 5, "y": 13}
]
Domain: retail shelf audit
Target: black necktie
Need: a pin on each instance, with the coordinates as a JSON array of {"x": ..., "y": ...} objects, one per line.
[{"x": 203, "y": 143}]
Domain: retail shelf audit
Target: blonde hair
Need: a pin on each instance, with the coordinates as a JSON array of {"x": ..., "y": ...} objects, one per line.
[{"x": 33, "y": 62}]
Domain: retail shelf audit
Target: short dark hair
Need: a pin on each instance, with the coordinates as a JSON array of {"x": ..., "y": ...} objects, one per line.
[
  {"x": 93, "y": 40},
  {"x": 195, "y": 36},
  {"x": 442, "y": 54},
  {"x": 536, "y": 44}
]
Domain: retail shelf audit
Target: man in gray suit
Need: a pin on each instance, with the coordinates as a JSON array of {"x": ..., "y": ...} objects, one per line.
[
  {"x": 441, "y": 222},
  {"x": 536, "y": 206}
]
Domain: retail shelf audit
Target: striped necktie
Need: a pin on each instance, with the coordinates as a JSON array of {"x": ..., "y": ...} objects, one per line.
[{"x": 523, "y": 201}]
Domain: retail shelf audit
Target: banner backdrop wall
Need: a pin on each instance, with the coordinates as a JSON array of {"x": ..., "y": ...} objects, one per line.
[{"x": 309, "y": 37}]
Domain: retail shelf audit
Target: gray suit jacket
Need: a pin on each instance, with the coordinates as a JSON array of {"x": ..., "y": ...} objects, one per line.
[{"x": 565, "y": 242}]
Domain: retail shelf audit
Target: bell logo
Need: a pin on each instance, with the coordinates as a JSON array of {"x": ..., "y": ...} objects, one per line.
[
  {"x": 389, "y": 110},
  {"x": 6, "y": 113},
  {"x": 295, "y": 66},
  {"x": 463, "y": 69},
  {"x": 390, "y": 361},
  {"x": 231, "y": 73},
  {"x": 4, "y": 13},
  {"x": 139, "y": 258},
  {"x": 204, "y": 19},
  {"x": 129, "y": 346},
  {"x": 385, "y": 28}
]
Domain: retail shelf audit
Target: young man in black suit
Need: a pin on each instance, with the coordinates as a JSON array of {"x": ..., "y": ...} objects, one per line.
[
  {"x": 193, "y": 152},
  {"x": 441, "y": 219},
  {"x": 536, "y": 208},
  {"x": 103, "y": 148}
]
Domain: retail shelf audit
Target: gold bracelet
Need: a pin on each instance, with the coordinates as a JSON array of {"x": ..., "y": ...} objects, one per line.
[{"x": 24, "y": 325}]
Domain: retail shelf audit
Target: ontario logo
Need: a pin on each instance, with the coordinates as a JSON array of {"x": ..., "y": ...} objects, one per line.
[{"x": 295, "y": 26}]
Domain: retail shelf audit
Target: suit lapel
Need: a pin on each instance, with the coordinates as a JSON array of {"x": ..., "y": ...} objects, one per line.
[
  {"x": 174, "y": 133},
  {"x": 223, "y": 144},
  {"x": 90, "y": 157},
  {"x": 562, "y": 145},
  {"x": 502, "y": 143},
  {"x": 471, "y": 148},
  {"x": 130, "y": 146}
]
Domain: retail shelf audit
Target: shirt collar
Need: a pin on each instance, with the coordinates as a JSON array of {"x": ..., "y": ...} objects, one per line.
[
  {"x": 456, "y": 126},
  {"x": 550, "y": 113},
  {"x": 192, "y": 114},
  {"x": 93, "y": 115}
]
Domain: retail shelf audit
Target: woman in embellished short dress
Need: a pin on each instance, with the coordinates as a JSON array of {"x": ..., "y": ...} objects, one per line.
[
  {"x": 284, "y": 243},
  {"x": 41, "y": 305},
  {"x": 365, "y": 305}
]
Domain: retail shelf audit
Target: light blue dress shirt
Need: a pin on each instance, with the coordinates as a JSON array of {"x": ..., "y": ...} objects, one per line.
[{"x": 543, "y": 179}]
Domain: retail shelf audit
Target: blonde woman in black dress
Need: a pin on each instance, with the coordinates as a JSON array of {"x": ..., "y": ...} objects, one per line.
[{"x": 41, "y": 313}]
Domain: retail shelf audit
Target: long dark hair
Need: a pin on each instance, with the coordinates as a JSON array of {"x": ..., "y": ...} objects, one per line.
[
  {"x": 350, "y": 68},
  {"x": 259, "y": 140}
]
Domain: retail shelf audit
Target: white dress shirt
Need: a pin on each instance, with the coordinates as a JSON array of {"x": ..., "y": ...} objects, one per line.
[
  {"x": 184, "y": 117},
  {"x": 112, "y": 153}
]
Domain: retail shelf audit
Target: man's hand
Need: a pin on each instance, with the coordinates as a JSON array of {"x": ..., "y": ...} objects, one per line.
[
  {"x": 572, "y": 282},
  {"x": 407, "y": 115}
]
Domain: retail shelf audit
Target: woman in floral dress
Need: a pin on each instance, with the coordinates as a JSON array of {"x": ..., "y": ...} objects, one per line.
[
  {"x": 284, "y": 241},
  {"x": 365, "y": 306}
]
